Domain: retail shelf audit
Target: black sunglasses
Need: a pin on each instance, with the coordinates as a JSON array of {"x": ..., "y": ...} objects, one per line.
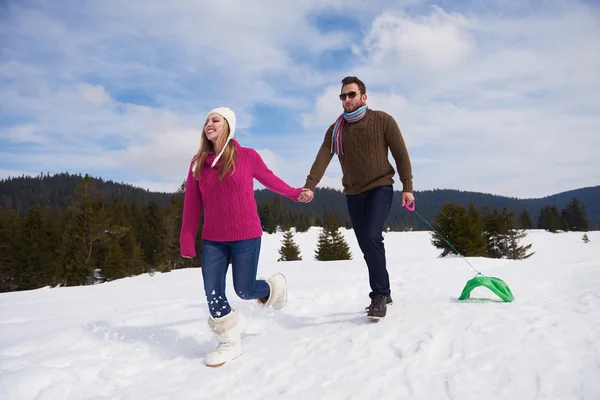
[{"x": 349, "y": 94}]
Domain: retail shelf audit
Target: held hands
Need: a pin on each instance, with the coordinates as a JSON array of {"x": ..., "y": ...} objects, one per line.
[
  {"x": 306, "y": 196},
  {"x": 407, "y": 198}
]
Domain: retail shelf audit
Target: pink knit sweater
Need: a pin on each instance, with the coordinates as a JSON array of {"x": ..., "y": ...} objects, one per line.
[{"x": 230, "y": 211}]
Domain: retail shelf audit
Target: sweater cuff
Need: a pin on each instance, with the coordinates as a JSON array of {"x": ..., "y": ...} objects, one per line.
[
  {"x": 407, "y": 186},
  {"x": 310, "y": 185},
  {"x": 188, "y": 253},
  {"x": 297, "y": 192}
]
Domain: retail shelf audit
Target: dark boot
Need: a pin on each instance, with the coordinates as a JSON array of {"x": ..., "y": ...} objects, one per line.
[
  {"x": 378, "y": 308},
  {"x": 388, "y": 302}
]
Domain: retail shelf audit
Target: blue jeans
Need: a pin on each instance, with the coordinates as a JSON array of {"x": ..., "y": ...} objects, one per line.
[
  {"x": 215, "y": 259},
  {"x": 368, "y": 212}
]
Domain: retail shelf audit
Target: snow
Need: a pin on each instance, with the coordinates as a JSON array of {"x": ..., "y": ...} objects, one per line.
[{"x": 145, "y": 337}]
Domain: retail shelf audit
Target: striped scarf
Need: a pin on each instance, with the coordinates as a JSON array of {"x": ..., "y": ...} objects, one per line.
[{"x": 336, "y": 140}]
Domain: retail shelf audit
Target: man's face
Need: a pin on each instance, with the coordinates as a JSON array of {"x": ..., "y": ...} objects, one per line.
[{"x": 350, "y": 103}]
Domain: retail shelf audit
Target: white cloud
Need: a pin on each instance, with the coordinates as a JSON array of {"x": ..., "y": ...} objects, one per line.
[
  {"x": 188, "y": 57},
  {"x": 94, "y": 94},
  {"x": 435, "y": 42},
  {"x": 271, "y": 159},
  {"x": 327, "y": 109},
  {"x": 487, "y": 103},
  {"x": 12, "y": 173},
  {"x": 157, "y": 185},
  {"x": 503, "y": 102},
  {"x": 333, "y": 181},
  {"x": 26, "y": 133}
]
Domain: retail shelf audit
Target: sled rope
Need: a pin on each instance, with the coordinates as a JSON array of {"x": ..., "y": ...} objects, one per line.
[
  {"x": 496, "y": 285},
  {"x": 442, "y": 236}
]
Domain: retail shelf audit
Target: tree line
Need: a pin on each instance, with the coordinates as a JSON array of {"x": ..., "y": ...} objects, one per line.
[
  {"x": 56, "y": 191},
  {"x": 497, "y": 234},
  {"x": 95, "y": 239},
  {"x": 468, "y": 232}
]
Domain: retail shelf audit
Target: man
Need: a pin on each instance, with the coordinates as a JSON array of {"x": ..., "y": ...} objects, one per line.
[{"x": 361, "y": 138}]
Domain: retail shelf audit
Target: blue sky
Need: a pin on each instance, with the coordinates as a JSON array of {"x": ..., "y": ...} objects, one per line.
[{"x": 501, "y": 97}]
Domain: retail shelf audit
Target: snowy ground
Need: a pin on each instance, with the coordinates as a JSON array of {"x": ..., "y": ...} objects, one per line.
[{"x": 145, "y": 337}]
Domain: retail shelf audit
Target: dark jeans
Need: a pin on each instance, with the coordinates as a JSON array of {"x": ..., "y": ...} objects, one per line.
[
  {"x": 215, "y": 258},
  {"x": 368, "y": 212}
]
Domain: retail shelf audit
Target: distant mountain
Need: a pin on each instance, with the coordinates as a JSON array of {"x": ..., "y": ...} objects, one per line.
[
  {"x": 429, "y": 203},
  {"x": 55, "y": 191}
]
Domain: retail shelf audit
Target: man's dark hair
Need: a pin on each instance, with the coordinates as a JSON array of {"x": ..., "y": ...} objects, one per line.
[{"x": 352, "y": 79}]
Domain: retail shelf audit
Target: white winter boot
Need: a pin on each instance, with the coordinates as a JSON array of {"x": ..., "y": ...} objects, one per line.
[
  {"x": 278, "y": 292},
  {"x": 229, "y": 344}
]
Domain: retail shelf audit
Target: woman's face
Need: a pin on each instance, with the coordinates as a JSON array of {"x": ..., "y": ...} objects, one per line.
[{"x": 215, "y": 125}]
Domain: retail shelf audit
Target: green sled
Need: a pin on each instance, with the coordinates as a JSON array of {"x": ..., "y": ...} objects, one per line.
[{"x": 496, "y": 285}]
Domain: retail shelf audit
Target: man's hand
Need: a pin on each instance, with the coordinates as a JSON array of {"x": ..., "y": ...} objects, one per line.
[
  {"x": 407, "y": 198},
  {"x": 306, "y": 196}
]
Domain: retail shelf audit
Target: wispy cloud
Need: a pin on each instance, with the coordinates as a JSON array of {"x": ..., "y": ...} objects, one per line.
[
  {"x": 504, "y": 99},
  {"x": 497, "y": 104}
]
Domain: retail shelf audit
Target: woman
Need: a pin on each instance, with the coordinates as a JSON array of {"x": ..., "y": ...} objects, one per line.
[{"x": 221, "y": 181}]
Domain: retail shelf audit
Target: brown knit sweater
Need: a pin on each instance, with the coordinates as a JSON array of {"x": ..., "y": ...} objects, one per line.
[{"x": 365, "y": 163}]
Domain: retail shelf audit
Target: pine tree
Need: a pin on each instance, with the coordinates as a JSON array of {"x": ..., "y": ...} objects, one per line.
[
  {"x": 267, "y": 218},
  {"x": 53, "y": 228},
  {"x": 9, "y": 263},
  {"x": 114, "y": 265},
  {"x": 324, "y": 251},
  {"x": 87, "y": 229},
  {"x": 551, "y": 220},
  {"x": 477, "y": 245},
  {"x": 563, "y": 223},
  {"x": 543, "y": 219},
  {"x": 132, "y": 252},
  {"x": 153, "y": 236},
  {"x": 495, "y": 231},
  {"x": 172, "y": 226},
  {"x": 31, "y": 251},
  {"x": 525, "y": 220},
  {"x": 110, "y": 259},
  {"x": 464, "y": 230},
  {"x": 318, "y": 221},
  {"x": 78, "y": 266},
  {"x": 278, "y": 212},
  {"x": 332, "y": 220},
  {"x": 514, "y": 250},
  {"x": 502, "y": 237},
  {"x": 285, "y": 221},
  {"x": 302, "y": 224},
  {"x": 331, "y": 244},
  {"x": 37, "y": 254},
  {"x": 575, "y": 216},
  {"x": 341, "y": 249},
  {"x": 289, "y": 250}
]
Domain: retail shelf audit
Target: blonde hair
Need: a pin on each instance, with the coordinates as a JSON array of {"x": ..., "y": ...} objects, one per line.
[{"x": 206, "y": 147}]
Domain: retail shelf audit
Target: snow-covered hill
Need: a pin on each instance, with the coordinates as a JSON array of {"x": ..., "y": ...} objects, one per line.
[{"x": 145, "y": 337}]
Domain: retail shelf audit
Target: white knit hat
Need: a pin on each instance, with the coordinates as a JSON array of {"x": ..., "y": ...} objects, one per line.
[{"x": 230, "y": 117}]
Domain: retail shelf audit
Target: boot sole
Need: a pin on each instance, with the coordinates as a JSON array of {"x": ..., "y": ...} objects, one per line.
[{"x": 221, "y": 364}]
